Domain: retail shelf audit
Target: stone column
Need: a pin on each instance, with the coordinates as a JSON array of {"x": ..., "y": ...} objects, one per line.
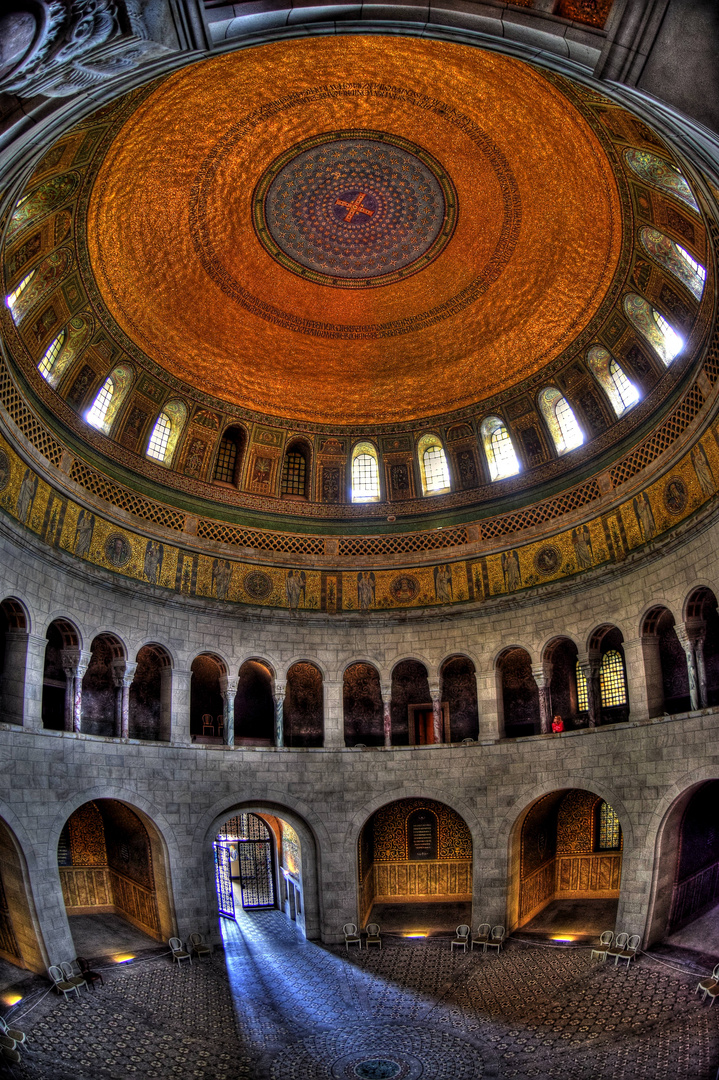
[
  {"x": 228, "y": 689},
  {"x": 686, "y": 640},
  {"x": 542, "y": 676},
  {"x": 638, "y": 652},
  {"x": 435, "y": 692},
  {"x": 123, "y": 673},
  {"x": 166, "y": 703},
  {"x": 590, "y": 668},
  {"x": 180, "y": 707},
  {"x": 386, "y": 692},
  {"x": 279, "y": 697},
  {"x": 334, "y": 715},
  {"x": 74, "y": 663},
  {"x": 701, "y": 635}
]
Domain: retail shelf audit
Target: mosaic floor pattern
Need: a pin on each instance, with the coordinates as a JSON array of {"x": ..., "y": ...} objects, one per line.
[{"x": 275, "y": 1007}]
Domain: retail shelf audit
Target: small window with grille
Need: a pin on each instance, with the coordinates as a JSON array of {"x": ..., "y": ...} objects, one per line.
[
  {"x": 365, "y": 474},
  {"x": 95, "y": 416},
  {"x": 582, "y": 692},
  {"x": 15, "y": 295},
  {"x": 226, "y": 461},
  {"x": 157, "y": 446},
  {"x": 609, "y": 830},
  {"x": 48, "y": 361},
  {"x": 294, "y": 470},
  {"x": 612, "y": 683}
]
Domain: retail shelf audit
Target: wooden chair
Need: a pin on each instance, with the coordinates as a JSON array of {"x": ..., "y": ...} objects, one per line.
[
  {"x": 178, "y": 952},
  {"x": 481, "y": 937},
  {"x": 351, "y": 936},
  {"x": 15, "y": 1034},
  {"x": 620, "y": 943},
  {"x": 208, "y": 724},
  {"x": 605, "y": 940},
  {"x": 374, "y": 936},
  {"x": 198, "y": 946},
  {"x": 496, "y": 938},
  {"x": 629, "y": 953},
  {"x": 710, "y": 980},
  {"x": 60, "y": 982},
  {"x": 91, "y": 977},
  {"x": 461, "y": 939}
]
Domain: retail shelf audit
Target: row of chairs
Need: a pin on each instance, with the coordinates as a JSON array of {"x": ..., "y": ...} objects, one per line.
[
  {"x": 486, "y": 936},
  {"x": 709, "y": 986},
  {"x": 69, "y": 975},
  {"x": 12, "y": 1040},
  {"x": 373, "y": 935},
  {"x": 196, "y": 946},
  {"x": 621, "y": 947}
]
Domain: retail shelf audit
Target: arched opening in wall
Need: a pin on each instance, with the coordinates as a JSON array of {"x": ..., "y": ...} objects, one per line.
[
  {"x": 19, "y": 936},
  {"x": 520, "y": 695},
  {"x": 103, "y": 692},
  {"x": 206, "y": 701},
  {"x": 304, "y": 706},
  {"x": 13, "y": 659},
  {"x": 228, "y": 463},
  {"x": 150, "y": 694},
  {"x": 62, "y": 657},
  {"x": 459, "y": 690},
  {"x": 254, "y": 706},
  {"x": 114, "y": 877},
  {"x": 560, "y": 657},
  {"x": 265, "y": 861},
  {"x": 702, "y": 626},
  {"x": 565, "y": 867},
  {"x": 415, "y": 868},
  {"x": 295, "y": 479},
  {"x": 665, "y": 664},
  {"x": 684, "y": 911},
  {"x": 362, "y": 705},
  {"x": 602, "y": 680},
  {"x": 411, "y": 709}
]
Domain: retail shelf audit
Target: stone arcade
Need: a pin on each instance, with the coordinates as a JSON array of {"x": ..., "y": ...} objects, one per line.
[{"x": 358, "y": 416}]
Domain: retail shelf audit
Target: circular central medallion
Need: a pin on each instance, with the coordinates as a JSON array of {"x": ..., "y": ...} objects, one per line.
[
  {"x": 378, "y": 1069},
  {"x": 354, "y": 209}
]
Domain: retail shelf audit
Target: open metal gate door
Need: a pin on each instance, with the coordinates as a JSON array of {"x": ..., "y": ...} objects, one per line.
[
  {"x": 223, "y": 881},
  {"x": 256, "y": 878}
]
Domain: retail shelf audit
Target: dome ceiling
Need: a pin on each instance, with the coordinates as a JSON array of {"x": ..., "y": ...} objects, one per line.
[{"x": 355, "y": 231}]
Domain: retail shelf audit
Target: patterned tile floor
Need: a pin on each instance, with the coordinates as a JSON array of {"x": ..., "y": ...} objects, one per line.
[{"x": 275, "y": 1007}]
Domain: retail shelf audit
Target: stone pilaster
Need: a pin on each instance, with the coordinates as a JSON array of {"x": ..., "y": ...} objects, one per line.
[
  {"x": 228, "y": 689},
  {"x": 279, "y": 696}
]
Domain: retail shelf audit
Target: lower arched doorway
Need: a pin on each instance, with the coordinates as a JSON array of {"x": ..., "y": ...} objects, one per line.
[
  {"x": 113, "y": 872},
  {"x": 566, "y": 867},
  {"x": 258, "y": 866},
  {"x": 19, "y": 942},
  {"x": 685, "y": 908},
  {"x": 415, "y": 868}
]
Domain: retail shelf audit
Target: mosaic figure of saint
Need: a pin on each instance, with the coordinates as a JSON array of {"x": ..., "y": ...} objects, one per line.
[
  {"x": 83, "y": 533},
  {"x": 443, "y": 583},
  {"x": 582, "y": 541},
  {"x": 511, "y": 570},
  {"x": 365, "y": 590},
  {"x": 221, "y": 578},
  {"x": 295, "y": 583},
  {"x": 28, "y": 490},
  {"x": 153, "y": 560},
  {"x": 703, "y": 470},
  {"x": 645, "y": 517}
]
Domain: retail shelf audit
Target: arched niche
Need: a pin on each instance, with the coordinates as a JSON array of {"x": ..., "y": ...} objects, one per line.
[
  {"x": 206, "y": 701},
  {"x": 609, "y": 669},
  {"x": 411, "y": 708},
  {"x": 362, "y": 705},
  {"x": 295, "y": 479},
  {"x": 62, "y": 637},
  {"x": 562, "y": 655},
  {"x": 20, "y": 942},
  {"x": 99, "y": 687},
  {"x": 13, "y": 659},
  {"x": 112, "y": 861},
  {"x": 227, "y": 468},
  {"x": 665, "y": 664},
  {"x": 685, "y": 893},
  {"x": 415, "y": 866},
  {"x": 519, "y": 694},
  {"x": 304, "y": 706},
  {"x": 150, "y": 694},
  {"x": 254, "y": 706},
  {"x": 459, "y": 691},
  {"x": 565, "y": 866},
  {"x": 702, "y": 625}
]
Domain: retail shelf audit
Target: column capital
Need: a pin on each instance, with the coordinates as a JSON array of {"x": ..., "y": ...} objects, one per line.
[
  {"x": 75, "y": 662},
  {"x": 435, "y": 690},
  {"x": 123, "y": 672},
  {"x": 695, "y": 631},
  {"x": 229, "y": 684},
  {"x": 280, "y": 691},
  {"x": 385, "y": 690},
  {"x": 542, "y": 673}
]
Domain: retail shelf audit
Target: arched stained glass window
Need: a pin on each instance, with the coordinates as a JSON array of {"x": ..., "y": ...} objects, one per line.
[
  {"x": 609, "y": 831},
  {"x": 166, "y": 432},
  {"x": 294, "y": 473},
  {"x": 619, "y": 389},
  {"x": 365, "y": 473},
  {"x": 109, "y": 399},
  {"x": 675, "y": 259},
  {"x": 498, "y": 448},
  {"x": 654, "y": 327},
  {"x": 658, "y": 172},
  {"x": 582, "y": 692},
  {"x": 14, "y": 297},
  {"x": 433, "y": 465},
  {"x": 48, "y": 361},
  {"x": 612, "y": 682},
  {"x": 561, "y": 421}
]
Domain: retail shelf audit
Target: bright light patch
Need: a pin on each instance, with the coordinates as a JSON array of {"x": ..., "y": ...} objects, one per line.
[
  {"x": 418, "y": 934},
  {"x": 564, "y": 937},
  {"x": 11, "y": 999},
  {"x": 123, "y": 958}
]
